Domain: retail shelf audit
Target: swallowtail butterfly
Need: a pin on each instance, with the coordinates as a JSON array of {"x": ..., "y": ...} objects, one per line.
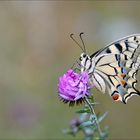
[{"x": 113, "y": 69}]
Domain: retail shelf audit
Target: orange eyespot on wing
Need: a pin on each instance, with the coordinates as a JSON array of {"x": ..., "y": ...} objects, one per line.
[
  {"x": 122, "y": 75},
  {"x": 123, "y": 82},
  {"x": 115, "y": 96}
]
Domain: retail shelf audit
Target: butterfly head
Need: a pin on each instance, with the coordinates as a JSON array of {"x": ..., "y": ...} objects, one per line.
[
  {"x": 83, "y": 56},
  {"x": 85, "y": 61}
]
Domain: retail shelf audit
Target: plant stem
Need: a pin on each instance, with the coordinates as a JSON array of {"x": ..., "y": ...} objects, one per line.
[{"x": 95, "y": 117}]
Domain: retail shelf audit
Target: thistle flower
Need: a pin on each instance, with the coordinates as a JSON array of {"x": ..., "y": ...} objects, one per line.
[{"x": 73, "y": 87}]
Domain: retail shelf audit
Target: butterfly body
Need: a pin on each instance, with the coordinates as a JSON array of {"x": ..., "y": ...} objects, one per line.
[{"x": 113, "y": 69}]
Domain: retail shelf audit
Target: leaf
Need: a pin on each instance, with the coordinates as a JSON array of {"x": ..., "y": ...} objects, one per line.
[
  {"x": 91, "y": 98},
  {"x": 87, "y": 124},
  {"x": 92, "y": 104},
  {"x": 95, "y": 103},
  {"x": 105, "y": 133},
  {"x": 88, "y": 138},
  {"x": 102, "y": 117},
  {"x": 99, "y": 119},
  {"x": 97, "y": 138},
  {"x": 68, "y": 131},
  {"x": 84, "y": 110}
]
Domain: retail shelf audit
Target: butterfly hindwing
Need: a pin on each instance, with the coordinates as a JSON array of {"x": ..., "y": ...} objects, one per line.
[{"x": 115, "y": 68}]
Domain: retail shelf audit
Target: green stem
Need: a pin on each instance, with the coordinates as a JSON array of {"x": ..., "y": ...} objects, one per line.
[{"x": 95, "y": 117}]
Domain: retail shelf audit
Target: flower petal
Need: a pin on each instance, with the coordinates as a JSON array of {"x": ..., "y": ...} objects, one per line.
[{"x": 73, "y": 86}]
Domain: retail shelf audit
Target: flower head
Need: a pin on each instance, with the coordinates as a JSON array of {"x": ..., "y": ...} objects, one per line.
[{"x": 73, "y": 87}]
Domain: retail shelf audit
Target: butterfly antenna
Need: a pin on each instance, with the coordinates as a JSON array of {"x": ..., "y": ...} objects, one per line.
[
  {"x": 77, "y": 67},
  {"x": 71, "y": 36},
  {"x": 82, "y": 41}
]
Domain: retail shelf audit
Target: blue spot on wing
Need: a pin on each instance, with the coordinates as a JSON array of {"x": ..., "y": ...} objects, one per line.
[
  {"x": 124, "y": 70},
  {"x": 121, "y": 90},
  {"x": 121, "y": 64}
]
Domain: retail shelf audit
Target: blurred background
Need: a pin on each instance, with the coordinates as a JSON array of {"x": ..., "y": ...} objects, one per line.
[{"x": 35, "y": 49}]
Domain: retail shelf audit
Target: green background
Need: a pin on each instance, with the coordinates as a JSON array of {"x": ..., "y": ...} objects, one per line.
[{"x": 35, "y": 49}]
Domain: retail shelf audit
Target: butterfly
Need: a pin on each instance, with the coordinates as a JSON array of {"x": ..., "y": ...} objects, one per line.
[{"x": 113, "y": 69}]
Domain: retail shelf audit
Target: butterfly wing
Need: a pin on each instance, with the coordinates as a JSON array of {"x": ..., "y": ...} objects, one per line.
[{"x": 115, "y": 68}]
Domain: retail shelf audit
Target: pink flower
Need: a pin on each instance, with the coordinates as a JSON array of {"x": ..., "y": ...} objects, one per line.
[{"x": 73, "y": 86}]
